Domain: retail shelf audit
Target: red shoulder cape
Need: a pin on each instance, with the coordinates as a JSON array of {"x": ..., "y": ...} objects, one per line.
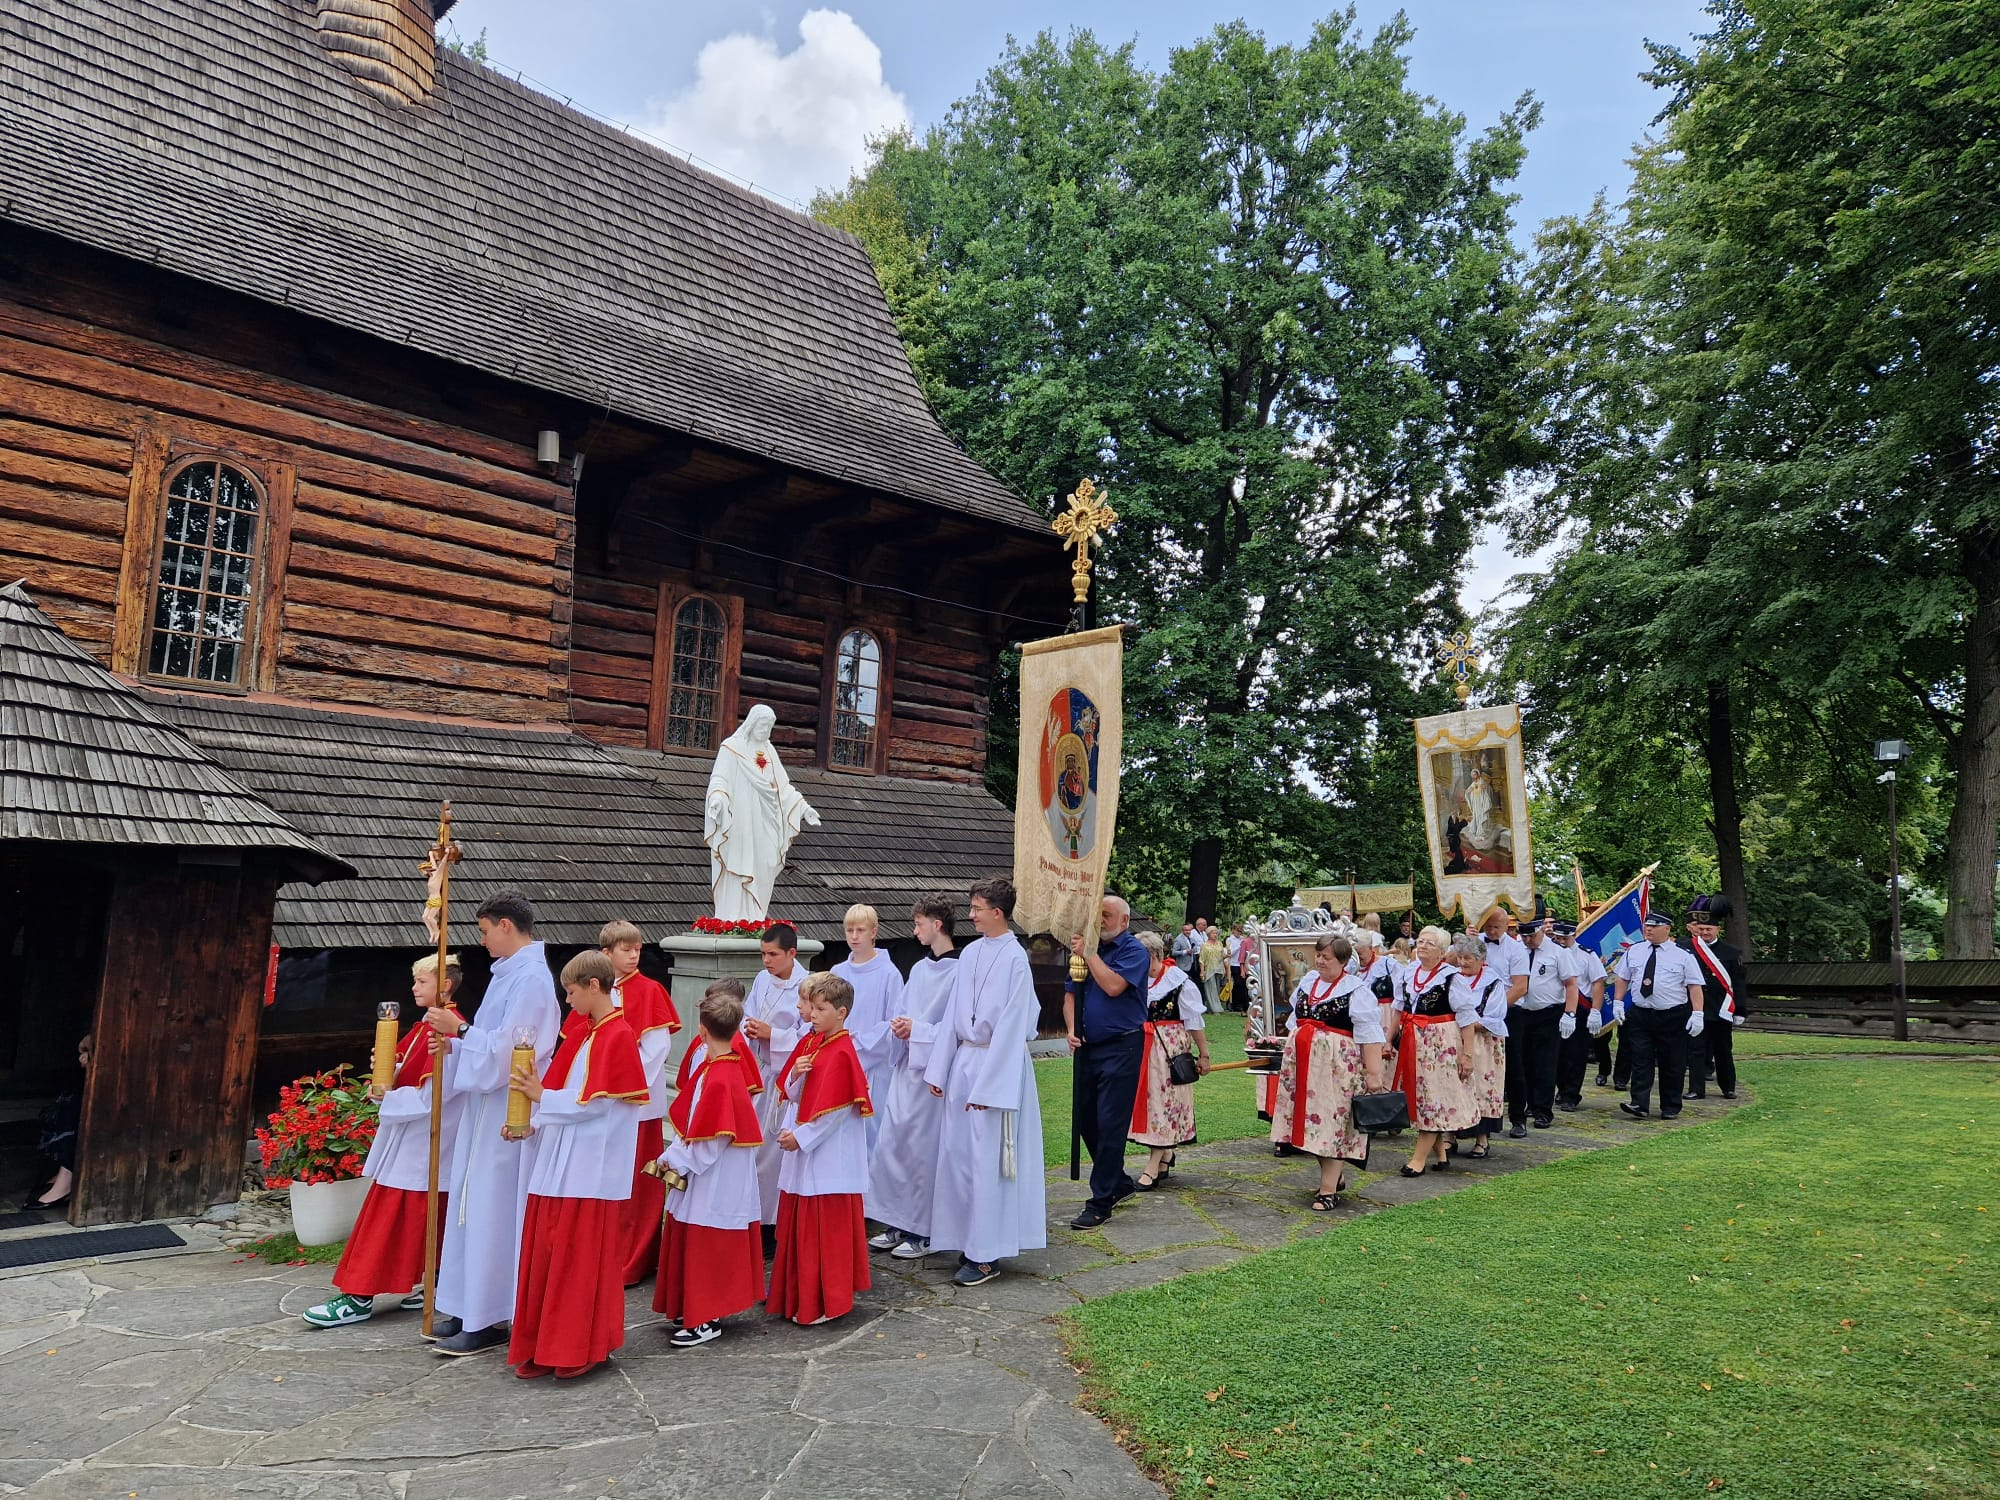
[
  {"x": 724, "y": 1107},
  {"x": 646, "y": 1005},
  {"x": 413, "y": 1063},
  {"x": 613, "y": 1070},
  {"x": 833, "y": 1082}
]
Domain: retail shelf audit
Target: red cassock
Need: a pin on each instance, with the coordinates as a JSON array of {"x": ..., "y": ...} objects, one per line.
[
  {"x": 647, "y": 1007},
  {"x": 385, "y": 1251},
  {"x": 822, "y": 1256},
  {"x": 569, "y": 1301},
  {"x": 708, "y": 1273}
]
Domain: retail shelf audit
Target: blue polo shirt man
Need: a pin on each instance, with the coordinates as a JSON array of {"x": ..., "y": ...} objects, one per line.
[{"x": 1107, "y": 1042}]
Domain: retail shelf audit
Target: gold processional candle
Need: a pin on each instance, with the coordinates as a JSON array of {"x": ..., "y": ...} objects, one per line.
[
  {"x": 519, "y": 1106},
  {"x": 384, "y": 1072}
]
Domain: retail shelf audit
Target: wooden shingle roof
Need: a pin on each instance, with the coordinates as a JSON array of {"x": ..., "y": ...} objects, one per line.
[
  {"x": 489, "y": 225},
  {"x": 85, "y": 760},
  {"x": 586, "y": 833}
]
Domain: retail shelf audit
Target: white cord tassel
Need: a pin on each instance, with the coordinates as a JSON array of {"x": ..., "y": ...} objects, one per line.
[{"x": 1007, "y": 1144}]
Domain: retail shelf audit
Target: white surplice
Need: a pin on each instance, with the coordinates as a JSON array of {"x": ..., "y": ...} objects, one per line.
[
  {"x": 981, "y": 1057},
  {"x": 655, "y": 1052},
  {"x": 582, "y": 1150},
  {"x": 488, "y": 1179},
  {"x": 722, "y": 1190},
  {"x": 401, "y": 1154},
  {"x": 878, "y": 999},
  {"x": 776, "y": 1001},
  {"x": 902, "y": 1174}
]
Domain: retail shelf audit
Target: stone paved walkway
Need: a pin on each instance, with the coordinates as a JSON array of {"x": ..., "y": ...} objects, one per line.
[{"x": 191, "y": 1376}]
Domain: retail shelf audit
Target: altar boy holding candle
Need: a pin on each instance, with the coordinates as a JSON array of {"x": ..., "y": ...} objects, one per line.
[
  {"x": 569, "y": 1303},
  {"x": 650, "y": 1013},
  {"x": 712, "y": 1253},
  {"x": 385, "y": 1253},
  {"x": 822, "y": 1258}
]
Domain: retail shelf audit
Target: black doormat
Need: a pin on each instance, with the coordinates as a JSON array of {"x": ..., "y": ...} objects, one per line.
[
  {"x": 28, "y": 1219},
  {"x": 43, "y": 1248}
]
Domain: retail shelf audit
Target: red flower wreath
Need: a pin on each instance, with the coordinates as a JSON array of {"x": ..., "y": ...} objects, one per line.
[{"x": 717, "y": 927}]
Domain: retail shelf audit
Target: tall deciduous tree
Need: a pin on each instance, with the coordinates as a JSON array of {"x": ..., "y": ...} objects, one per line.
[{"x": 1267, "y": 297}]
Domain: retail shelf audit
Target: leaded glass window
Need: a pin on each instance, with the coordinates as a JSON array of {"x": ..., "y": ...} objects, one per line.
[
  {"x": 694, "y": 675},
  {"x": 207, "y": 577},
  {"x": 857, "y": 688}
]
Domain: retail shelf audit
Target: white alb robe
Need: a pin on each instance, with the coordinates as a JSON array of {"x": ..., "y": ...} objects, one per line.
[
  {"x": 776, "y": 1001},
  {"x": 980, "y": 1057},
  {"x": 878, "y": 999},
  {"x": 902, "y": 1174},
  {"x": 401, "y": 1154},
  {"x": 722, "y": 1190},
  {"x": 489, "y": 1179},
  {"x": 582, "y": 1150}
]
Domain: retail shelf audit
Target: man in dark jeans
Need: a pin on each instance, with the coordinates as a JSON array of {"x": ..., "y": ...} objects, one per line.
[{"x": 1107, "y": 1039}]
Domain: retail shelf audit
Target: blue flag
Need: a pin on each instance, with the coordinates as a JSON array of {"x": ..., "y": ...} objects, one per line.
[{"x": 1614, "y": 927}]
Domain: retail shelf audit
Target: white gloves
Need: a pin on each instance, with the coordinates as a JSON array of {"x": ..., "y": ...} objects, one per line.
[
  {"x": 1566, "y": 1027},
  {"x": 1737, "y": 1020},
  {"x": 1595, "y": 1022},
  {"x": 1618, "y": 1012},
  {"x": 1695, "y": 1022}
]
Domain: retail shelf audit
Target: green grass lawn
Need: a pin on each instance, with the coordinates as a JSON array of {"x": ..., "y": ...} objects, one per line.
[
  {"x": 1225, "y": 1104},
  {"x": 1754, "y": 1043},
  {"x": 1798, "y": 1300}
]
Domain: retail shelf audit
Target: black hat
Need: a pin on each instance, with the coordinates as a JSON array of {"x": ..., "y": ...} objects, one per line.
[
  {"x": 1657, "y": 917},
  {"x": 1562, "y": 927},
  {"x": 1714, "y": 909}
]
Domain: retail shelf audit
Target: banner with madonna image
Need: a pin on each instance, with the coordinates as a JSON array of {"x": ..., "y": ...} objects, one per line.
[
  {"x": 1474, "y": 786},
  {"x": 1066, "y": 801}
]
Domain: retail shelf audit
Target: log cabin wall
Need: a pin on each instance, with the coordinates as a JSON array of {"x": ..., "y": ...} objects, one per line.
[
  {"x": 785, "y": 624},
  {"x": 406, "y": 562}
]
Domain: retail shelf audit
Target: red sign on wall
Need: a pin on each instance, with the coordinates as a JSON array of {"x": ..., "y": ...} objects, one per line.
[{"x": 271, "y": 978}]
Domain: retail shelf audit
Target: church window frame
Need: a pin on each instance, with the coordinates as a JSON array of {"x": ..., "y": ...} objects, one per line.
[
  {"x": 210, "y": 556},
  {"x": 849, "y": 699},
  {"x": 695, "y": 628}
]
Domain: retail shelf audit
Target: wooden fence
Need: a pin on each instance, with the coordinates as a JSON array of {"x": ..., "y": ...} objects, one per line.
[{"x": 1955, "y": 1000}]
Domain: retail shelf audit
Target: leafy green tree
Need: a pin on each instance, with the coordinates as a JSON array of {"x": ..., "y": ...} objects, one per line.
[{"x": 1267, "y": 298}]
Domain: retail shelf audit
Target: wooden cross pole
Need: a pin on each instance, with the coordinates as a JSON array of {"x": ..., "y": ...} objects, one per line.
[{"x": 436, "y": 868}]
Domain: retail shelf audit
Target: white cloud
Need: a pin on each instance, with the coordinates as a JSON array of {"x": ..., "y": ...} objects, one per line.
[{"x": 790, "y": 122}]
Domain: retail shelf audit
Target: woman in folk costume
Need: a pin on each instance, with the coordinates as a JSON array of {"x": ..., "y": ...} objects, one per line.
[
  {"x": 1162, "y": 1110},
  {"x": 569, "y": 1304},
  {"x": 385, "y": 1251},
  {"x": 1333, "y": 1053},
  {"x": 712, "y": 1250},
  {"x": 822, "y": 1256},
  {"x": 1378, "y": 971},
  {"x": 1485, "y": 990},
  {"x": 1434, "y": 1059},
  {"x": 902, "y": 1174}
]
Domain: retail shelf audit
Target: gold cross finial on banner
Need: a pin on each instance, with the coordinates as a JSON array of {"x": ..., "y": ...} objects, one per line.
[
  {"x": 1460, "y": 658},
  {"x": 1087, "y": 518}
]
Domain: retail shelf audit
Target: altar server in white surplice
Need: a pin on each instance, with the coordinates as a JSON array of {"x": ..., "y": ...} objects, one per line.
[
  {"x": 771, "y": 1030},
  {"x": 903, "y": 1172},
  {"x": 990, "y": 1201},
  {"x": 487, "y": 1178},
  {"x": 878, "y": 1000}
]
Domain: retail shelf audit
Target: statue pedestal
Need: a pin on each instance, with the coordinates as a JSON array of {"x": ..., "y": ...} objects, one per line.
[{"x": 700, "y": 960}]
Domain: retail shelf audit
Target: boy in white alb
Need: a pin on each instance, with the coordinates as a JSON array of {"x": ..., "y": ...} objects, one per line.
[
  {"x": 822, "y": 1257},
  {"x": 902, "y": 1174},
  {"x": 771, "y": 1029},
  {"x": 488, "y": 1176},
  {"x": 878, "y": 999}
]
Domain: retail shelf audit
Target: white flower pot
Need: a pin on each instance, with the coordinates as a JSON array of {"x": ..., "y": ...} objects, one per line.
[{"x": 323, "y": 1213}]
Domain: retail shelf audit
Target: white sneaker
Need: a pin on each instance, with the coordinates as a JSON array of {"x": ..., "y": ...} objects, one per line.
[
  {"x": 888, "y": 1239},
  {"x": 912, "y": 1248},
  {"x": 694, "y": 1338},
  {"x": 414, "y": 1302},
  {"x": 340, "y": 1310}
]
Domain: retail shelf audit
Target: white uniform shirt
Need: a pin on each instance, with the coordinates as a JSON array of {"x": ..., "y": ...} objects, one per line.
[
  {"x": 1676, "y": 971},
  {"x": 1508, "y": 957},
  {"x": 1548, "y": 966}
]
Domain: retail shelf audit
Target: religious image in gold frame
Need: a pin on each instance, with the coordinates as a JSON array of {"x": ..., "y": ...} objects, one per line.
[{"x": 1475, "y": 794}]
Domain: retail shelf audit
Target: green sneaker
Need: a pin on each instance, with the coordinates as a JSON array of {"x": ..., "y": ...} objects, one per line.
[{"x": 340, "y": 1310}]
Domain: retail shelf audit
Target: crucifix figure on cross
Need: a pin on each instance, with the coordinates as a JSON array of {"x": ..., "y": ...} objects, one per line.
[
  {"x": 1087, "y": 518},
  {"x": 1460, "y": 658}
]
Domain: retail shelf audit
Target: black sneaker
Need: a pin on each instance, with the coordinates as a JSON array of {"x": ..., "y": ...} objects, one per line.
[
  {"x": 1670, "y": 1114},
  {"x": 1569, "y": 1106},
  {"x": 442, "y": 1327},
  {"x": 1517, "y": 1131},
  {"x": 1544, "y": 1122},
  {"x": 1604, "y": 1080},
  {"x": 1729, "y": 1093},
  {"x": 1697, "y": 1094},
  {"x": 1090, "y": 1218},
  {"x": 694, "y": 1338},
  {"x": 478, "y": 1341},
  {"x": 972, "y": 1273},
  {"x": 1631, "y": 1109}
]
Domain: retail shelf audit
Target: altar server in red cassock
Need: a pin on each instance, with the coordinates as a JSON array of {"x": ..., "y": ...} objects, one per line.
[
  {"x": 712, "y": 1254},
  {"x": 822, "y": 1257},
  {"x": 650, "y": 1013},
  {"x": 385, "y": 1253},
  {"x": 569, "y": 1303}
]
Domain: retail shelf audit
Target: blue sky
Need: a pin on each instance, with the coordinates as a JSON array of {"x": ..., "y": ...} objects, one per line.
[{"x": 786, "y": 95}]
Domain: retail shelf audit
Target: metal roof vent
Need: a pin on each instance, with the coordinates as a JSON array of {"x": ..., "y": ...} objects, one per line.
[{"x": 390, "y": 46}]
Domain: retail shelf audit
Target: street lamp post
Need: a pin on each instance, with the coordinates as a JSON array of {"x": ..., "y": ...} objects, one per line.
[{"x": 1892, "y": 753}]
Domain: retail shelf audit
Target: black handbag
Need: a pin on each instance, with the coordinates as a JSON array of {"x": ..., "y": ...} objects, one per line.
[
  {"x": 1182, "y": 1068},
  {"x": 1382, "y": 1114}
]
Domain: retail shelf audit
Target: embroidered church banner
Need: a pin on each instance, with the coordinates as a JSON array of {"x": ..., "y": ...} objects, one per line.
[
  {"x": 1066, "y": 801},
  {"x": 1475, "y": 792}
]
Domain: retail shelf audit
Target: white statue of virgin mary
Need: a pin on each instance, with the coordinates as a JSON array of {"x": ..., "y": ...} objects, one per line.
[{"x": 751, "y": 815}]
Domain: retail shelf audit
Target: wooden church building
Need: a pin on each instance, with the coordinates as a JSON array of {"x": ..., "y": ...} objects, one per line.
[{"x": 376, "y": 430}]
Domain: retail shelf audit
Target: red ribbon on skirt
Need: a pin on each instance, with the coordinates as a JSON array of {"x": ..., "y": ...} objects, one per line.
[
  {"x": 1406, "y": 1057},
  {"x": 1302, "y": 1052},
  {"x": 1145, "y": 1065}
]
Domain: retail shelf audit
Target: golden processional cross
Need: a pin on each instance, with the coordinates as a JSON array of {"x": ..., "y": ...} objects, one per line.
[
  {"x": 1460, "y": 658},
  {"x": 1087, "y": 518}
]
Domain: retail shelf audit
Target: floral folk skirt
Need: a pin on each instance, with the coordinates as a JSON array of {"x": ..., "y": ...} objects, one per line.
[
  {"x": 1317, "y": 1115},
  {"x": 1164, "y": 1113},
  {"x": 1489, "y": 1080},
  {"x": 1443, "y": 1101}
]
